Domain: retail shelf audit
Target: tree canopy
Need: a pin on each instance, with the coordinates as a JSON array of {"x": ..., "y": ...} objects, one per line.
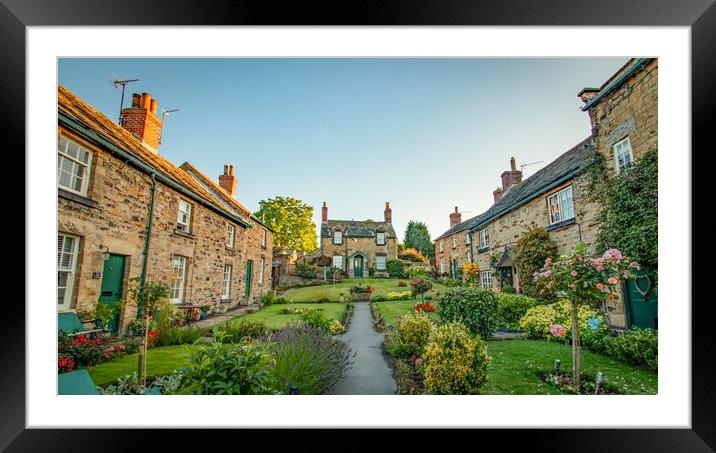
[
  {"x": 292, "y": 223},
  {"x": 417, "y": 237}
]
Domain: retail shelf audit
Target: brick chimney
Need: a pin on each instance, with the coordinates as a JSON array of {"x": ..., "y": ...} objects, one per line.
[
  {"x": 388, "y": 213},
  {"x": 497, "y": 193},
  {"x": 141, "y": 120},
  {"x": 228, "y": 181},
  {"x": 455, "y": 218},
  {"x": 512, "y": 177},
  {"x": 324, "y": 213}
]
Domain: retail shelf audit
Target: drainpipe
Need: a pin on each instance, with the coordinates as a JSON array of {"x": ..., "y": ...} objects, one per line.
[{"x": 147, "y": 240}]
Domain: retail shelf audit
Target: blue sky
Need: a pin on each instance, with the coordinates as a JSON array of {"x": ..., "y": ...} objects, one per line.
[{"x": 424, "y": 134}]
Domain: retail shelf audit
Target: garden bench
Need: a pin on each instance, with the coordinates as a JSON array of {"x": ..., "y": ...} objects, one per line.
[
  {"x": 71, "y": 324},
  {"x": 77, "y": 382}
]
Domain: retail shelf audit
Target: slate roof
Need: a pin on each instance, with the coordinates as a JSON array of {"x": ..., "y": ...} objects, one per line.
[
  {"x": 71, "y": 106},
  {"x": 357, "y": 228},
  {"x": 571, "y": 163}
]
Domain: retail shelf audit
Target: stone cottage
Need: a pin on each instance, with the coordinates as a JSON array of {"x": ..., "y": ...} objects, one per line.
[
  {"x": 356, "y": 247},
  {"x": 125, "y": 211}
]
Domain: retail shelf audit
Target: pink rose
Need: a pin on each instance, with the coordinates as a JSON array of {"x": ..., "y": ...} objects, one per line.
[
  {"x": 574, "y": 273},
  {"x": 548, "y": 273},
  {"x": 612, "y": 281},
  {"x": 600, "y": 285},
  {"x": 600, "y": 268}
]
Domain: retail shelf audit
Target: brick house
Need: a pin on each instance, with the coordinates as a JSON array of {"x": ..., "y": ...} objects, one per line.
[
  {"x": 357, "y": 246},
  {"x": 125, "y": 211},
  {"x": 556, "y": 198}
]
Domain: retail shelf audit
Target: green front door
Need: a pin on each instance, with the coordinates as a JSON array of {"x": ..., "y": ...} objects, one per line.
[
  {"x": 641, "y": 302},
  {"x": 247, "y": 291},
  {"x": 455, "y": 268},
  {"x": 358, "y": 266},
  {"x": 112, "y": 280}
]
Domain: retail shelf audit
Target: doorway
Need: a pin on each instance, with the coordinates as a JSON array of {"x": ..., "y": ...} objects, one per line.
[
  {"x": 247, "y": 291},
  {"x": 358, "y": 266},
  {"x": 112, "y": 285}
]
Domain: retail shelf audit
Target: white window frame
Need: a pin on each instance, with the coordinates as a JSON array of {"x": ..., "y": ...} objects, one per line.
[
  {"x": 263, "y": 237},
  {"x": 63, "y": 156},
  {"x": 68, "y": 269},
  {"x": 561, "y": 198},
  {"x": 484, "y": 238},
  {"x": 340, "y": 261},
  {"x": 623, "y": 148},
  {"x": 178, "y": 281},
  {"x": 486, "y": 279},
  {"x": 338, "y": 237},
  {"x": 378, "y": 259},
  {"x": 380, "y": 238},
  {"x": 230, "y": 235},
  {"x": 228, "y": 271},
  {"x": 442, "y": 266},
  {"x": 180, "y": 222},
  {"x": 442, "y": 246},
  {"x": 467, "y": 239},
  {"x": 454, "y": 242},
  {"x": 262, "y": 266}
]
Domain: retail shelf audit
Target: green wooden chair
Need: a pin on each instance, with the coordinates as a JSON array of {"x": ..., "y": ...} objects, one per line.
[
  {"x": 71, "y": 324},
  {"x": 77, "y": 382}
]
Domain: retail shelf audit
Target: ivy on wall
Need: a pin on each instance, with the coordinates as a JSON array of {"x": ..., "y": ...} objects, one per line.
[
  {"x": 629, "y": 209},
  {"x": 533, "y": 248}
]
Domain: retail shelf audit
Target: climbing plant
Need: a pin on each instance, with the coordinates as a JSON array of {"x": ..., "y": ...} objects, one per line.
[
  {"x": 629, "y": 209},
  {"x": 532, "y": 249}
]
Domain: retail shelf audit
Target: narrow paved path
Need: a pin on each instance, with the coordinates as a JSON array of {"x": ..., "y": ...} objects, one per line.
[{"x": 371, "y": 374}]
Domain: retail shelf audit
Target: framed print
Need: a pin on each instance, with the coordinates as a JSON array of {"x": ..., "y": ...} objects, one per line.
[{"x": 442, "y": 216}]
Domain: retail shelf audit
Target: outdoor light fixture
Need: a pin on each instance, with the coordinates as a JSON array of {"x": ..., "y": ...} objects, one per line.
[{"x": 105, "y": 253}]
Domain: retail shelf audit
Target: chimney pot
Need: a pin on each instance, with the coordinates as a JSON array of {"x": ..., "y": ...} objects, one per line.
[
  {"x": 138, "y": 121},
  {"x": 231, "y": 170},
  {"x": 388, "y": 213},
  {"x": 136, "y": 98},
  {"x": 153, "y": 106},
  {"x": 324, "y": 213},
  {"x": 513, "y": 164},
  {"x": 455, "y": 218},
  {"x": 226, "y": 169},
  {"x": 146, "y": 101},
  {"x": 228, "y": 181}
]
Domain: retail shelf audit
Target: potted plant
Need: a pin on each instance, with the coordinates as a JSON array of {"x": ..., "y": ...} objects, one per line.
[
  {"x": 103, "y": 315},
  {"x": 361, "y": 293},
  {"x": 204, "y": 311},
  {"x": 136, "y": 328}
]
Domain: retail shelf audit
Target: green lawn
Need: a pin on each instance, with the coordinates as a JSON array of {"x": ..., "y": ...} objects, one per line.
[
  {"x": 159, "y": 361},
  {"x": 273, "y": 317},
  {"x": 392, "y": 309},
  {"x": 382, "y": 286},
  {"x": 516, "y": 362}
]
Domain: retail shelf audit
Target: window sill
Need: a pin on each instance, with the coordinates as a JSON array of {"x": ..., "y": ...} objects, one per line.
[
  {"x": 483, "y": 249},
  {"x": 231, "y": 249},
  {"x": 561, "y": 224},
  {"x": 81, "y": 199},
  {"x": 184, "y": 234}
]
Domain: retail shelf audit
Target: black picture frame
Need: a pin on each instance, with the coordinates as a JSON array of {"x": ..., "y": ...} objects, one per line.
[{"x": 700, "y": 15}]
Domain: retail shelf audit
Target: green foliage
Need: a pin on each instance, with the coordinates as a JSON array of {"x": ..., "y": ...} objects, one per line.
[
  {"x": 292, "y": 223},
  {"x": 411, "y": 254},
  {"x": 129, "y": 385},
  {"x": 280, "y": 301},
  {"x": 508, "y": 289},
  {"x": 178, "y": 335},
  {"x": 513, "y": 307},
  {"x": 247, "y": 329},
  {"x": 451, "y": 282},
  {"x": 537, "y": 320},
  {"x": 420, "y": 286},
  {"x": 268, "y": 299},
  {"x": 103, "y": 313},
  {"x": 378, "y": 298},
  {"x": 230, "y": 369},
  {"x": 532, "y": 249},
  {"x": 477, "y": 308},
  {"x": 150, "y": 297},
  {"x": 317, "y": 319},
  {"x": 404, "y": 295},
  {"x": 419, "y": 272},
  {"x": 395, "y": 268},
  {"x": 629, "y": 211},
  {"x": 308, "y": 358},
  {"x": 322, "y": 299},
  {"x": 413, "y": 332},
  {"x": 417, "y": 237},
  {"x": 636, "y": 347},
  {"x": 306, "y": 271},
  {"x": 455, "y": 361}
]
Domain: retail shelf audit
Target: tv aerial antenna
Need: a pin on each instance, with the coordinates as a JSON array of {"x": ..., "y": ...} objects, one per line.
[
  {"x": 522, "y": 167},
  {"x": 165, "y": 113},
  {"x": 117, "y": 82}
]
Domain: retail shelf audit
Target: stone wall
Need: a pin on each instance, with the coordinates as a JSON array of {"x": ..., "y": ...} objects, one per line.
[
  {"x": 114, "y": 215},
  {"x": 445, "y": 251}
]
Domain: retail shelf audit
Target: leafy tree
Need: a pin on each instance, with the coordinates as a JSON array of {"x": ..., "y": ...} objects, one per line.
[
  {"x": 417, "y": 237},
  {"x": 533, "y": 248},
  {"x": 292, "y": 223}
]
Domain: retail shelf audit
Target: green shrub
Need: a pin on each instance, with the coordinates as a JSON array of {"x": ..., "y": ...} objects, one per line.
[
  {"x": 532, "y": 249},
  {"x": 413, "y": 333},
  {"x": 306, "y": 271},
  {"x": 508, "y": 289},
  {"x": 317, "y": 319},
  {"x": 268, "y": 299},
  {"x": 537, "y": 320},
  {"x": 395, "y": 268},
  {"x": 455, "y": 361},
  {"x": 244, "y": 329},
  {"x": 280, "y": 301},
  {"x": 230, "y": 369},
  {"x": 322, "y": 299},
  {"x": 378, "y": 298},
  {"x": 477, "y": 308},
  {"x": 178, "y": 335},
  {"x": 513, "y": 307},
  {"x": 404, "y": 295},
  {"x": 451, "y": 282},
  {"x": 636, "y": 347},
  {"x": 309, "y": 358},
  {"x": 419, "y": 272}
]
